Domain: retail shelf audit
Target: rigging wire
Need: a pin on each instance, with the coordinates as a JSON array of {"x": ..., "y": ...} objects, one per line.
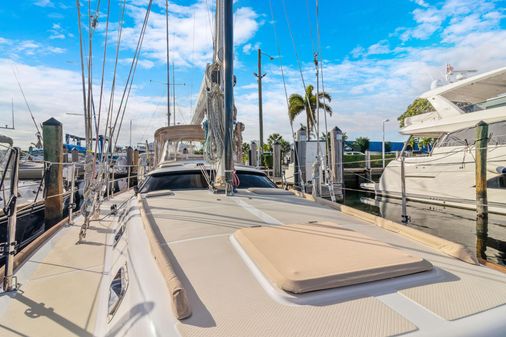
[
  {"x": 78, "y": 5},
  {"x": 89, "y": 131},
  {"x": 308, "y": 12},
  {"x": 129, "y": 78},
  {"x": 26, "y": 102},
  {"x": 311, "y": 113},
  {"x": 108, "y": 124},
  {"x": 328, "y": 176},
  {"x": 299, "y": 172},
  {"x": 133, "y": 69},
  {"x": 168, "y": 61},
  {"x": 213, "y": 33},
  {"x": 102, "y": 83}
]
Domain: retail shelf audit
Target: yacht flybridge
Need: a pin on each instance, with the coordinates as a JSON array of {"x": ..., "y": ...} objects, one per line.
[
  {"x": 188, "y": 253},
  {"x": 447, "y": 174}
]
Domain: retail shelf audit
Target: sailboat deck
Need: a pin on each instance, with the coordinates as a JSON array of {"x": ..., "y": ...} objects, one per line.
[
  {"x": 59, "y": 285},
  {"x": 229, "y": 296}
]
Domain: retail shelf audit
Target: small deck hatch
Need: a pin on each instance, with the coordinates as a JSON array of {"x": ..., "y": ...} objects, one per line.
[{"x": 304, "y": 258}]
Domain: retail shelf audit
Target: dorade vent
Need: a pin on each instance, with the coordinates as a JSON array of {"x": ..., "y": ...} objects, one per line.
[{"x": 304, "y": 258}]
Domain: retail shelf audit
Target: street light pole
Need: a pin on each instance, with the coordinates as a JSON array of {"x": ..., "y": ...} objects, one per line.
[
  {"x": 260, "y": 108},
  {"x": 383, "y": 142},
  {"x": 259, "y": 77}
]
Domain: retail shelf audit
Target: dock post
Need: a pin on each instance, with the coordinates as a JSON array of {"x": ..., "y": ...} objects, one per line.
[
  {"x": 9, "y": 282},
  {"x": 130, "y": 161},
  {"x": 404, "y": 214},
  {"x": 75, "y": 155},
  {"x": 336, "y": 160},
  {"x": 300, "y": 159},
  {"x": 53, "y": 154},
  {"x": 368, "y": 164},
  {"x": 253, "y": 154},
  {"x": 135, "y": 167},
  {"x": 72, "y": 187},
  {"x": 276, "y": 160},
  {"x": 481, "y": 189}
]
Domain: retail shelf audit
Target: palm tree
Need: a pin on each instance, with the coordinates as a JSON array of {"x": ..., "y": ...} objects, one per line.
[{"x": 298, "y": 103}]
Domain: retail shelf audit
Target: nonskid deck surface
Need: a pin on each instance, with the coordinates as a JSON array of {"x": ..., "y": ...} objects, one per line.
[
  {"x": 59, "y": 285},
  {"x": 229, "y": 298}
]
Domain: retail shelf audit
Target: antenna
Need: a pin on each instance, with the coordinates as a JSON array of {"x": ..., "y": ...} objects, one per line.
[
  {"x": 453, "y": 75},
  {"x": 12, "y": 111}
]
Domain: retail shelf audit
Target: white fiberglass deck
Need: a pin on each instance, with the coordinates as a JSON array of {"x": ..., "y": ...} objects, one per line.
[
  {"x": 229, "y": 296},
  {"x": 59, "y": 286}
]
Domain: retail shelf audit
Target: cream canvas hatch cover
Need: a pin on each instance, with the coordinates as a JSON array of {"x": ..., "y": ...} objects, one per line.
[{"x": 303, "y": 258}]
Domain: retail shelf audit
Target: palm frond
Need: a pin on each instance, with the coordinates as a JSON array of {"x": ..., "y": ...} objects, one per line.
[
  {"x": 295, "y": 106},
  {"x": 325, "y": 95},
  {"x": 326, "y": 108}
]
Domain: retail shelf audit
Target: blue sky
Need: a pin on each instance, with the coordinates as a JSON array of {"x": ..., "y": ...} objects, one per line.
[{"x": 378, "y": 56}]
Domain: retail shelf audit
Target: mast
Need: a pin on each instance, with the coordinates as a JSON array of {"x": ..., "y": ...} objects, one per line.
[
  {"x": 168, "y": 63},
  {"x": 173, "y": 94},
  {"x": 228, "y": 65}
]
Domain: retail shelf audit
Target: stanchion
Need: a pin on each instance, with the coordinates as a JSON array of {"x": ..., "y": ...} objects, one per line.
[{"x": 9, "y": 282}]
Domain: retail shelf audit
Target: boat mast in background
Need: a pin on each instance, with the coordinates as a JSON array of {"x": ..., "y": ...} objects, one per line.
[{"x": 7, "y": 125}]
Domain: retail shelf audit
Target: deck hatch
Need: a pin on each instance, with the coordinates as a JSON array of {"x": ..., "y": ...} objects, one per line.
[{"x": 304, "y": 258}]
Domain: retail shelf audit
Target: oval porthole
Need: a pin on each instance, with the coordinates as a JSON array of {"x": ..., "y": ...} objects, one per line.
[
  {"x": 117, "y": 291},
  {"x": 118, "y": 235}
]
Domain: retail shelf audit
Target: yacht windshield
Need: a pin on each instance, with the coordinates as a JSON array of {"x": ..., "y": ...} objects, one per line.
[
  {"x": 496, "y": 131},
  {"x": 194, "y": 180}
]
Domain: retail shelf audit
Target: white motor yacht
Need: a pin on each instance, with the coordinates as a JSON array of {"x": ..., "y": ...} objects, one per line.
[{"x": 447, "y": 174}]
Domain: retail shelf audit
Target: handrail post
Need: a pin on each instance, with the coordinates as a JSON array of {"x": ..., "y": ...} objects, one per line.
[
  {"x": 10, "y": 283},
  {"x": 112, "y": 183},
  {"x": 404, "y": 215}
]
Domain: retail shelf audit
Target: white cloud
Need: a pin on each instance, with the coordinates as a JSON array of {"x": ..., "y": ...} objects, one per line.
[
  {"x": 56, "y": 32},
  {"x": 54, "y": 92},
  {"x": 16, "y": 49},
  {"x": 191, "y": 32},
  {"x": 378, "y": 48},
  {"x": 462, "y": 16},
  {"x": 43, "y": 3},
  {"x": 248, "y": 48},
  {"x": 421, "y": 3},
  {"x": 145, "y": 64}
]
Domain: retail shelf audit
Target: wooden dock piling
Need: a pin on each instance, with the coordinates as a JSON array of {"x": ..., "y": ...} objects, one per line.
[
  {"x": 253, "y": 158},
  {"x": 481, "y": 189},
  {"x": 336, "y": 161},
  {"x": 53, "y": 154}
]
